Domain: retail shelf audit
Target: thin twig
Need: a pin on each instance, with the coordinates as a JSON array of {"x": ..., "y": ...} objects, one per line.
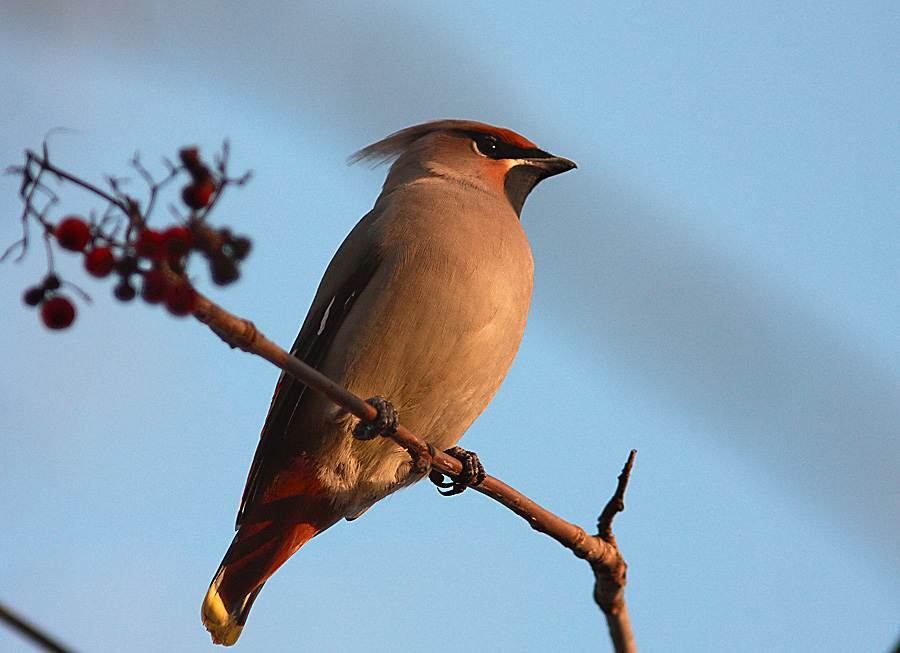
[
  {"x": 62, "y": 174},
  {"x": 610, "y": 569}
]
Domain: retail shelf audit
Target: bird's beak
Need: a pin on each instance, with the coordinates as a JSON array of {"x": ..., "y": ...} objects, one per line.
[
  {"x": 522, "y": 178},
  {"x": 551, "y": 165}
]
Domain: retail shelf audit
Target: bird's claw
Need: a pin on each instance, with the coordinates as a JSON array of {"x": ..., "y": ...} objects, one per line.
[
  {"x": 472, "y": 473},
  {"x": 384, "y": 424}
]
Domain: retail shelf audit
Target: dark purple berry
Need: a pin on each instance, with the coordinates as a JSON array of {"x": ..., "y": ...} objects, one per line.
[
  {"x": 224, "y": 270},
  {"x": 124, "y": 291},
  {"x": 34, "y": 295}
]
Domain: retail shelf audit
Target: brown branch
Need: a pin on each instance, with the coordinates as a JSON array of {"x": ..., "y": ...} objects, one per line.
[
  {"x": 600, "y": 550},
  {"x": 610, "y": 568}
]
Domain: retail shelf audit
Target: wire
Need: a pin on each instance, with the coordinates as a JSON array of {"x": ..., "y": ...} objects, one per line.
[{"x": 31, "y": 632}]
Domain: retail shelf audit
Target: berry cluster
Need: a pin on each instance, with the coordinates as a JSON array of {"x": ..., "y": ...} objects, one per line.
[
  {"x": 147, "y": 261},
  {"x": 224, "y": 251},
  {"x": 157, "y": 259}
]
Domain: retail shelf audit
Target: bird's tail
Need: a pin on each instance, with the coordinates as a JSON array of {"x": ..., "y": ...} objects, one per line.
[{"x": 263, "y": 543}]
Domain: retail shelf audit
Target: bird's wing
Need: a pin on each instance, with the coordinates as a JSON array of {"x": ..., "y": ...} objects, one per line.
[{"x": 348, "y": 274}]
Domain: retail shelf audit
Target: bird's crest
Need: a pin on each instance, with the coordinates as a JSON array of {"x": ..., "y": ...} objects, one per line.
[{"x": 394, "y": 145}]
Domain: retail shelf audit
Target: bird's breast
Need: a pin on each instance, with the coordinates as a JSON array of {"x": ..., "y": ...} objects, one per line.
[{"x": 435, "y": 332}]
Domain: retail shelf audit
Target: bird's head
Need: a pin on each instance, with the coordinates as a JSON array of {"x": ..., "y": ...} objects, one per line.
[{"x": 492, "y": 158}]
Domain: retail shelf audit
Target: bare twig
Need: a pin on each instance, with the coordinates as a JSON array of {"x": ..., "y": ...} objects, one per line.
[
  {"x": 62, "y": 174},
  {"x": 609, "y": 568},
  {"x": 600, "y": 550}
]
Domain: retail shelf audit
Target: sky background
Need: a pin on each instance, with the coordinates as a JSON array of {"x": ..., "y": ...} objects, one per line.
[{"x": 716, "y": 286}]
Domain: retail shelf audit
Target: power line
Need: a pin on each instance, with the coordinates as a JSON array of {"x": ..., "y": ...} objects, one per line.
[{"x": 31, "y": 632}]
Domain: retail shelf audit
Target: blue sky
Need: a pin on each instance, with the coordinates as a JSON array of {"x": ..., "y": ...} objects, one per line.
[{"x": 716, "y": 286}]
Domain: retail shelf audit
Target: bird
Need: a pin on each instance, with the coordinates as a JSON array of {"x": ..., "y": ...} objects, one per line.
[{"x": 424, "y": 304}]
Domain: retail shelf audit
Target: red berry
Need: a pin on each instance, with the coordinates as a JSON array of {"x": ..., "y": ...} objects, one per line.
[
  {"x": 177, "y": 241},
  {"x": 100, "y": 261},
  {"x": 154, "y": 287},
  {"x": 180, "y": 298},
  {"x": 57, "y": 313},
  {"x": 73, "y": 233},
  {"x": 149, "y": 245},
  {"x": 197, "y": 195}
]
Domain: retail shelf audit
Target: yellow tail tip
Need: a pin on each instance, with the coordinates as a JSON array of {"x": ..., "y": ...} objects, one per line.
[{"x": 221, "y": 625}]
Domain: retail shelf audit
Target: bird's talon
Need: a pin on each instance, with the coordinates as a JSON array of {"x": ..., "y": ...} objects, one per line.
[
  {"x": 384, "y": 424},
  {"x": 437, "y": 478},
  {"x": 472, "y": 473}
]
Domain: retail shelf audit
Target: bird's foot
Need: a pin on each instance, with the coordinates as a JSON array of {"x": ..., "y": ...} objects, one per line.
[
  {"x": 472, "y": 473},
  {"x": 385, "y": 423}
]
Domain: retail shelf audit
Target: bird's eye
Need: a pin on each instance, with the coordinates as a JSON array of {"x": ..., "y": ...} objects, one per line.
[{"x": 486, "y": 144}]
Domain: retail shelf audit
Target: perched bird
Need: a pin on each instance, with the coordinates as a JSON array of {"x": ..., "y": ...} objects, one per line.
[{"x": 424, "y": 304}]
